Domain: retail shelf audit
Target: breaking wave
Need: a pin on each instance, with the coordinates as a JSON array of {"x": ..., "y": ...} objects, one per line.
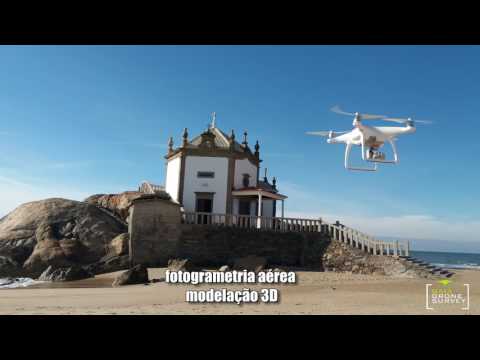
[
  {"x": 12, "y": 283},
  {"x": 458, "y": 266}
]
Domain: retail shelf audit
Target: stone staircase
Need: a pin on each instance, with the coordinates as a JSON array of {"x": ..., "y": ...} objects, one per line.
[{"x": 432, "y": 269}]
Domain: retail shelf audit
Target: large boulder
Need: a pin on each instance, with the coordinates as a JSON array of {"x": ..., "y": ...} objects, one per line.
[
  {"x": 57, "y": 232},
  {"x": 136, "y": 275},
  {"x": 64, "y": 274}
]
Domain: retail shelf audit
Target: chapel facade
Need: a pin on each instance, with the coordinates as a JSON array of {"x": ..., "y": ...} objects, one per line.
[{"x": 213, "y": 173}]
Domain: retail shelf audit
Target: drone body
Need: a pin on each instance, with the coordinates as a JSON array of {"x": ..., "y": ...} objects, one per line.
[{"x": 370, "y": 138}]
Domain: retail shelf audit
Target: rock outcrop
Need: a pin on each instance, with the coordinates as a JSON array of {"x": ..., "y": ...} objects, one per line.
[
  {"x": 344, "y": 258},
  {"x": 119, "y": 204},
  {"x": 57, "y": 232},
  {"x": 136, "y": 275}
]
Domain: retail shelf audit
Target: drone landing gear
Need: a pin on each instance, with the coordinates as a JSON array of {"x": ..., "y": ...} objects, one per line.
[
  {"x": 348, "y": 148},
  {"x": 373, "y": 155}
]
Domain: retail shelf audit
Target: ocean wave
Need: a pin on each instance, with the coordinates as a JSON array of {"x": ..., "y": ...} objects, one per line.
[
  {"x": 12, "y": 283},
  {"x": 459, "y": 266}
]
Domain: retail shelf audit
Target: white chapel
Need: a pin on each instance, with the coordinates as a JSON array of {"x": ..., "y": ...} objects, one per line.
[{"x": 213, "y": 173}]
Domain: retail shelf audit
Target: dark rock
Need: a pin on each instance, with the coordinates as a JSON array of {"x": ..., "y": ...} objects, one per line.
[
  {"x": 9, "y": 267},
  {"x": 250, "y": 263},
  {"x": 180, "y": 265},
  {"x": 110, "y": 263},
  {"x": 153, "y": 281},
  {"x": 136, "y": 275},
  {"x": 64, "y": 274}
]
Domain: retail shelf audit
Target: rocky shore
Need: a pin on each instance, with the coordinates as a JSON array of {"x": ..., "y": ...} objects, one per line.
[
  {"x": 60, "y": 233},
  {"x": 64, "y": 240}
]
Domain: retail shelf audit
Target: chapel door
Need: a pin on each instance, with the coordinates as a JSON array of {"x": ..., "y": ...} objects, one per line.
[
  {"x": 244, "y": 209},
  {"x": 204, "y": 204}
]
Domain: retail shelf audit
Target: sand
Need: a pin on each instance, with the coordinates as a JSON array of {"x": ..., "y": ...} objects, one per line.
[{"x": 314, "y": 293}]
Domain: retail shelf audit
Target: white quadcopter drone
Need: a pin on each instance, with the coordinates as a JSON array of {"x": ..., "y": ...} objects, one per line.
[{"x": 370, "y": 138}]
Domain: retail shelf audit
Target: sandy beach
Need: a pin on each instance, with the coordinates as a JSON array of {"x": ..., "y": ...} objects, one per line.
[{"x": 314, "y": 293}]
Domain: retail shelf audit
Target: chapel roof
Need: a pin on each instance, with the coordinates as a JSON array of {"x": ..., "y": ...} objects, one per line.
[
  {"x": 214, "y": 140},
  {"x": 222, "y": 140}
]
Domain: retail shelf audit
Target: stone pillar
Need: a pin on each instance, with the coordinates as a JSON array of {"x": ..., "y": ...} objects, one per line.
[
  {"x": 259, "y": 219},
  {"x": 154, "y": 229}
]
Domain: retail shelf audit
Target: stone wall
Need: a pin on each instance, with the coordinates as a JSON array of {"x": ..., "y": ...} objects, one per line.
[
  {"x": 157, "y": 235},
  {"x": 216, "y": 246}
]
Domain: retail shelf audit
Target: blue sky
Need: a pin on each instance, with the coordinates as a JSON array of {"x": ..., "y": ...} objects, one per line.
[{"x": 78, "y": 120}]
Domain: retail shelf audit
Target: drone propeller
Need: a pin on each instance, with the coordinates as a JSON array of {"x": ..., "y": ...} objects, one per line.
[
  {"x": 325, "y": 133},
  {"x": 318, "y": 133},
  {"x": 336, "y": 109},
  {"x": 406, "y": 120}
]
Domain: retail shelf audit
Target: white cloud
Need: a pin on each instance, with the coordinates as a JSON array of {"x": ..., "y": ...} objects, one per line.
[
  {"x": 407, "y": 226},
  {"x": 306, "y": 204},
  {"x": 14, "y": 193}
]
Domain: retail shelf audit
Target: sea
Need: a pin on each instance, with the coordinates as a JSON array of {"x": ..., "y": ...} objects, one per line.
[{"x": 448, "y": 260}]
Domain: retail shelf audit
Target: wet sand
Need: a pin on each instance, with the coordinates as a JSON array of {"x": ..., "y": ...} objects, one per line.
[{"x": 314, "y": 293}]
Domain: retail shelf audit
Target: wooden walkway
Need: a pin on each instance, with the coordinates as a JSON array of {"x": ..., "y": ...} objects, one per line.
[{"x": 337, "y": 231}]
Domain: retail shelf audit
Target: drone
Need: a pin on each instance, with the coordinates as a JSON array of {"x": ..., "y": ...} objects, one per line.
[{"x": 370, "y": 138}]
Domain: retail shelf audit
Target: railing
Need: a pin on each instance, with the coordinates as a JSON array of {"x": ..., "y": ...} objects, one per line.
[
  {"x": 337, "y": 232},
  {"x": 366, "y": 242},
  {"x": 253, "y": 222}
]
